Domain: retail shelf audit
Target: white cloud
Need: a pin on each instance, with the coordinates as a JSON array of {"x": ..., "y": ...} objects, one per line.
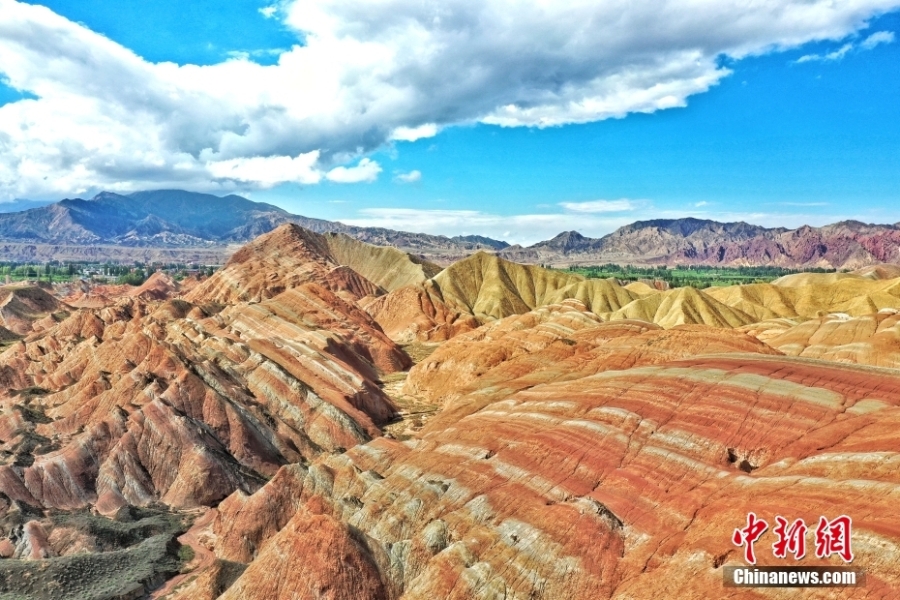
[
  {"x": 268, "y": 11},
  {"x": 411, "y": 134},
  {"x": 523, "y": 229},
  {"x": 267, "y": 171},
  {"x": 839, "y": 53},
  {"x": 599, "y": 206},
  {"x": 366, "y": 171},
  {"x": 365, "y": 73},
  {"x": 411, "y": 177},
  {"x": 879, "y": 37},
  {"x": 835, "y": 55},
  {"x": 701, "y": 203}
]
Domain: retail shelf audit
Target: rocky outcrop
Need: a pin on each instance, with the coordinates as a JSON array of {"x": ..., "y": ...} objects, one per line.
[{"x": 313, "y": 557}]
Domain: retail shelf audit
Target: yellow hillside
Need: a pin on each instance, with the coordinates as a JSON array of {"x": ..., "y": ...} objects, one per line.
[
  {"x": 490, "y": 287},
  {"x": 812, "y": 294},
  {"x": 683, "y": 306},
  {"x": 386, "y": 267},
  {"x": 641, "y": 289}
]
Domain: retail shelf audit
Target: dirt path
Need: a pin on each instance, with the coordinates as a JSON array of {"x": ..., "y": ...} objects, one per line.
[
  {"x": 414, "y": 411},
  {"x": 203, "y": 557}
]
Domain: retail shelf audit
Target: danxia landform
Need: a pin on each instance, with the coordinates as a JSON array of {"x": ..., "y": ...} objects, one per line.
[{"x": 324, "y": 418}]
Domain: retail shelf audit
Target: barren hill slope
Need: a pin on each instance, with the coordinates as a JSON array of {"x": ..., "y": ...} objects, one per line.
[
  {"x": 872, "y": 339},
  {"x": 290, "y": 256},
  {"x": 386, "y": 267},
  {"x": 683, "y": 306},
  {"x": 482, "y": 288},
  {"x": 21, "y": 306},
  {"x": 185, "y": 401}
]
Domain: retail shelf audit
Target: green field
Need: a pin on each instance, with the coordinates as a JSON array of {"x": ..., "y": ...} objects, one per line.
[
  {"x": 57, "y": 272},
  {"x": 696, "y": 276}
]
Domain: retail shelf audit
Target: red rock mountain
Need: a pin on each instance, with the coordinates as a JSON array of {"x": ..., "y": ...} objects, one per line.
[{"x": 185, "y": 401}]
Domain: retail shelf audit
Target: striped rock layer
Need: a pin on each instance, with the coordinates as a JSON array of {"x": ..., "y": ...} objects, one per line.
[
  {"x": 591, "y": 441},
  {"x": 623, "y": 482},
  {"x": 184, "y": 402}
]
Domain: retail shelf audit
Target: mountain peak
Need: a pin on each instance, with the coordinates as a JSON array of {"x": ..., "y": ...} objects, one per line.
[{"x": 567, "y": 241}]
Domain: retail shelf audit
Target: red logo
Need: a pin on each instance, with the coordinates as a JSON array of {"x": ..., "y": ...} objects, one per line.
[
  {"x": 832, "y": 537},
  {"x": 790, "y": 539},
  {"x": 748, "y": 535}
]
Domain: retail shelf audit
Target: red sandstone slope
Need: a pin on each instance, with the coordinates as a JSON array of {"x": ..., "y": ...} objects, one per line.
[
  {"x": 625, "y": 484},
  {"x": 183, "y": 402},
  {"x": 557, "y": 343},
  {"x": 158, "y": 286},
  {"x": 869, "y": 340},
  {"x": 314, "y": 556},
  {"x": 290, "y": 256},
  {"x": 22, "y": 306}
]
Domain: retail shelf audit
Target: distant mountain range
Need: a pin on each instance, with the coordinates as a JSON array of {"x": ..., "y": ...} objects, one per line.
[
  {"x": 175, "y": 225},
  {"x": 848, "y": 244},
  {"x": 179, "y": 225}
]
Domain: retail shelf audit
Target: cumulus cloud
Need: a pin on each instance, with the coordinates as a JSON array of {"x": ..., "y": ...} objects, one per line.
[
  {"x": 267, "y": 171},
  {"x": 411, "y": 177},
  {"x": 363, "y": 74},
  {"x": 366, "y": 171},
  {"x": 599, "y": 206},
  {"x": 411, "y": 134}
]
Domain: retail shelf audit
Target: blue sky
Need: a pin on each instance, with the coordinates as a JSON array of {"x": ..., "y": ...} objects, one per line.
[{"x": 771, "y": 123}]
